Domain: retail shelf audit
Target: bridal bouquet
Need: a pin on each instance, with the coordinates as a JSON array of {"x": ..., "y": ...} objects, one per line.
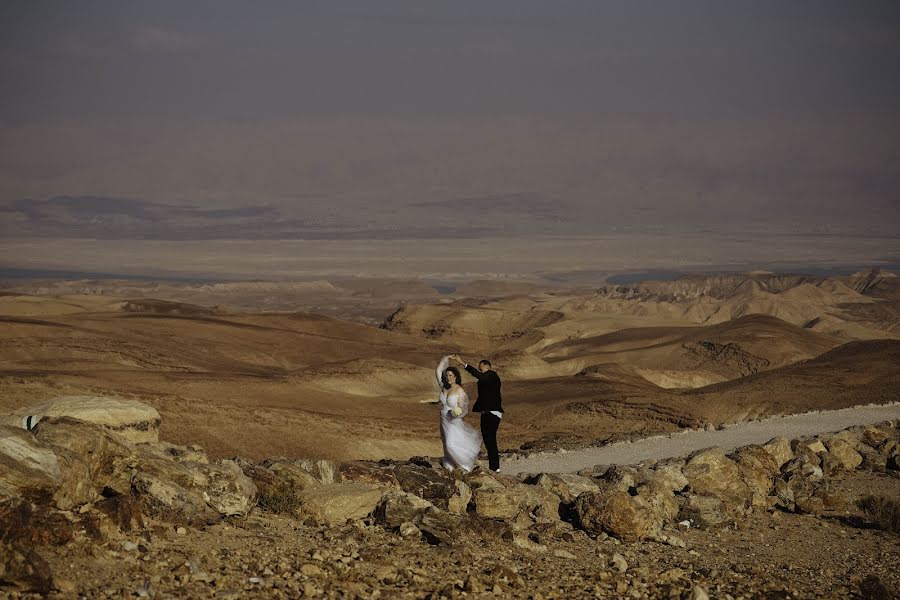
[{"x": 457, "y": 411}]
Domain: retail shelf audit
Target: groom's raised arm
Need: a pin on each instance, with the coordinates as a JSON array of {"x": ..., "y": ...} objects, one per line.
[{"x": 473, "y": 371}]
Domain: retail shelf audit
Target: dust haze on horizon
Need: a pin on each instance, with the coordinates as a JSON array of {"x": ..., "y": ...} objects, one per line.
[{"x": 339, "y": 123}]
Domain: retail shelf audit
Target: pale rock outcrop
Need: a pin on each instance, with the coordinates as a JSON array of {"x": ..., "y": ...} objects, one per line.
[
  {"x": 336, "y": 503},
  {"x": 131, "y": 420},
  {"x": 92, "y": 459},
  {"x": 506, "y": 502}
]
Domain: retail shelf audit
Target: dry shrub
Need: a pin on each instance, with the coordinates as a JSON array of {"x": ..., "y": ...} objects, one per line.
[
  {"x": 883, "y": 511},
  {"x": 279, "y": 501}
]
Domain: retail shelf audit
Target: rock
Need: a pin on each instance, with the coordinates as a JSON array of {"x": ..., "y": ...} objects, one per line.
[
  {"x": 368, "y": 472},
  {"x": 703, "y": 511},
  {"x": 324, "y": 471},
  {"x": 757, "y": 469},
  {"x": 311, "y": 570},
  {"x": 131, "y": 420},
  {"x": 617, "y": 513},
  {"x": 336, "y": 503},
  {"x": 427, "y": 483},
  {"x": 668, "y": 477},
  {"x": 660, "y": 499},
  {"x": 805, "y": 465},
  {"x": 507, "y": 502},
  {"x": 698, "y": 593},
  {"x": 31, "y": 525},
  {"x": 875, "y": 435},
  {"x": 23, "y": 567},
  {"x": 291, "y": 476},
  {"x": 181, "y": 531},
  {"x": 123, "y": 510},
  {"x": 809, "y": 446},
  {"x": 190, "y": 454},
  {"x": 397, "y": 507},
  {"x": 92, "y": 459},
  {"x": 844, "y": 454},
  {"x": 618, "y": 562},
  {"x": 619, "y": 477},
  {"x": 437, "y": 526},
  {"x": 564, "y": 485},
  {"x": 526, "y": 543},
  {"x": 192, "y": 493},
  {"x": 458, "y": 503},
  {"x": 711, "y": 473},
  {"x": 873, "y": 588},
  {"x": 27, "y": 466},
  {"x": 408, "y": 530},
  {"x": 780, "y": 449},
  {"x": 560, "y": 553}
]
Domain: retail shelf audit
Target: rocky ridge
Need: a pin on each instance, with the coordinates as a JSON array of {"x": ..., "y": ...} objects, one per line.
[{"x": 71, "y": 484}]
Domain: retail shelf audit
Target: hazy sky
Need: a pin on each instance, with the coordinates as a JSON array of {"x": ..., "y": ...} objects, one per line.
[{"x": 557, "y": 117}]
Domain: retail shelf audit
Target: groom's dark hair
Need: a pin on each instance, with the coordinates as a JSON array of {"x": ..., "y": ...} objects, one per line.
[
  {"x": 485, "y": 361},
  {"x": 453, "y": 370}
]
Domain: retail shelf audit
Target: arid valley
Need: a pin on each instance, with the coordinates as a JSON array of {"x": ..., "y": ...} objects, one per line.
[{"x": 327, "y": 387}]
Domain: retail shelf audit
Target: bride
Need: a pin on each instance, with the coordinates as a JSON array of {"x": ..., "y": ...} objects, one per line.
[{"x": 461, "y": 442}]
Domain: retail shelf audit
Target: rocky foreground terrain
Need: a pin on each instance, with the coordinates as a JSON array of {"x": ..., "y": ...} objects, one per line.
[{"x": 97, "y": 507}]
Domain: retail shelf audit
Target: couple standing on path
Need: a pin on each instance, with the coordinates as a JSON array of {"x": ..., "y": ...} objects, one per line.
[{"x": 461, "y": 442}]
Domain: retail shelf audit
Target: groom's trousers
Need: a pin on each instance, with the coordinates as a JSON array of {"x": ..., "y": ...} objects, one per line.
[{"x": 489, "y": 425}]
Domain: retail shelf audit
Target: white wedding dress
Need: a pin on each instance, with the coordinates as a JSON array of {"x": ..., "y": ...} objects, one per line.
[{"x": 461, "y": 442}]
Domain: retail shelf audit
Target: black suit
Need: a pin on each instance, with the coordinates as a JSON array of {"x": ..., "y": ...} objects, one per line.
[{"x": 489, "y": 400}]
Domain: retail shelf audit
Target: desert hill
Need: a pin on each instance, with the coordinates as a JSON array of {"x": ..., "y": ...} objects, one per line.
[
  {"x": 587, "y": 366},
  {"x": 716, "y": 352}
]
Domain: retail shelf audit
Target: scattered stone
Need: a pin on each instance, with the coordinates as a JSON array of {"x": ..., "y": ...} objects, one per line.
[
  {"x": 618, "y": 562},
  {"x": 698, "y": 593}
]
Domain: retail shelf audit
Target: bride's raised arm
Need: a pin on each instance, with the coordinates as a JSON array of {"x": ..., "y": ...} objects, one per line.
[{"x": 439, "y": 372}]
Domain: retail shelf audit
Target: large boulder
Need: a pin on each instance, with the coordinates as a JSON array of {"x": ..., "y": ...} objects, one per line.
[
  {"x": 711, "y": 473},
  {"x": 509, "y": 501},
  {"x": 758, "y": 469},
  {"x": 703, "y": 511},
  {"x": 844, "y": 455},
  {"x": 669, "y": 477},
  {"x": 617, "y": 513},
  {"x": 131, "y": 420},
  {"x": 90, "y": 459},
  {"x": 336, "y": 503}
]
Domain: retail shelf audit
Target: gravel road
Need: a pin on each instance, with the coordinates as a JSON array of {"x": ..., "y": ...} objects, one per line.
[{"x": 687, "y": 441}]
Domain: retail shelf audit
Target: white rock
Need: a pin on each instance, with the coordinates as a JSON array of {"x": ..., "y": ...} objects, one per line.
[{"x": 132, "y": 420}]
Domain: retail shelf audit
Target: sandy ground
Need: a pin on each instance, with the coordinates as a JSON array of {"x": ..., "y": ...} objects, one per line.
[{"x": 687, "y": 441}]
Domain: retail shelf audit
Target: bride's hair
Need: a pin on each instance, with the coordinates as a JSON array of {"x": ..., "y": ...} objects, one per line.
[{"x": 453, "y": 370}]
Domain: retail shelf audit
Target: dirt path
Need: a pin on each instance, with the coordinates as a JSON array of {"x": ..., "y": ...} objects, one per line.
[{"x": 687, "y": 441}]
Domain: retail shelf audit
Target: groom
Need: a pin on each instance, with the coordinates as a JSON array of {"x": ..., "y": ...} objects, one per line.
[{"x": 489, "y": 405}]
